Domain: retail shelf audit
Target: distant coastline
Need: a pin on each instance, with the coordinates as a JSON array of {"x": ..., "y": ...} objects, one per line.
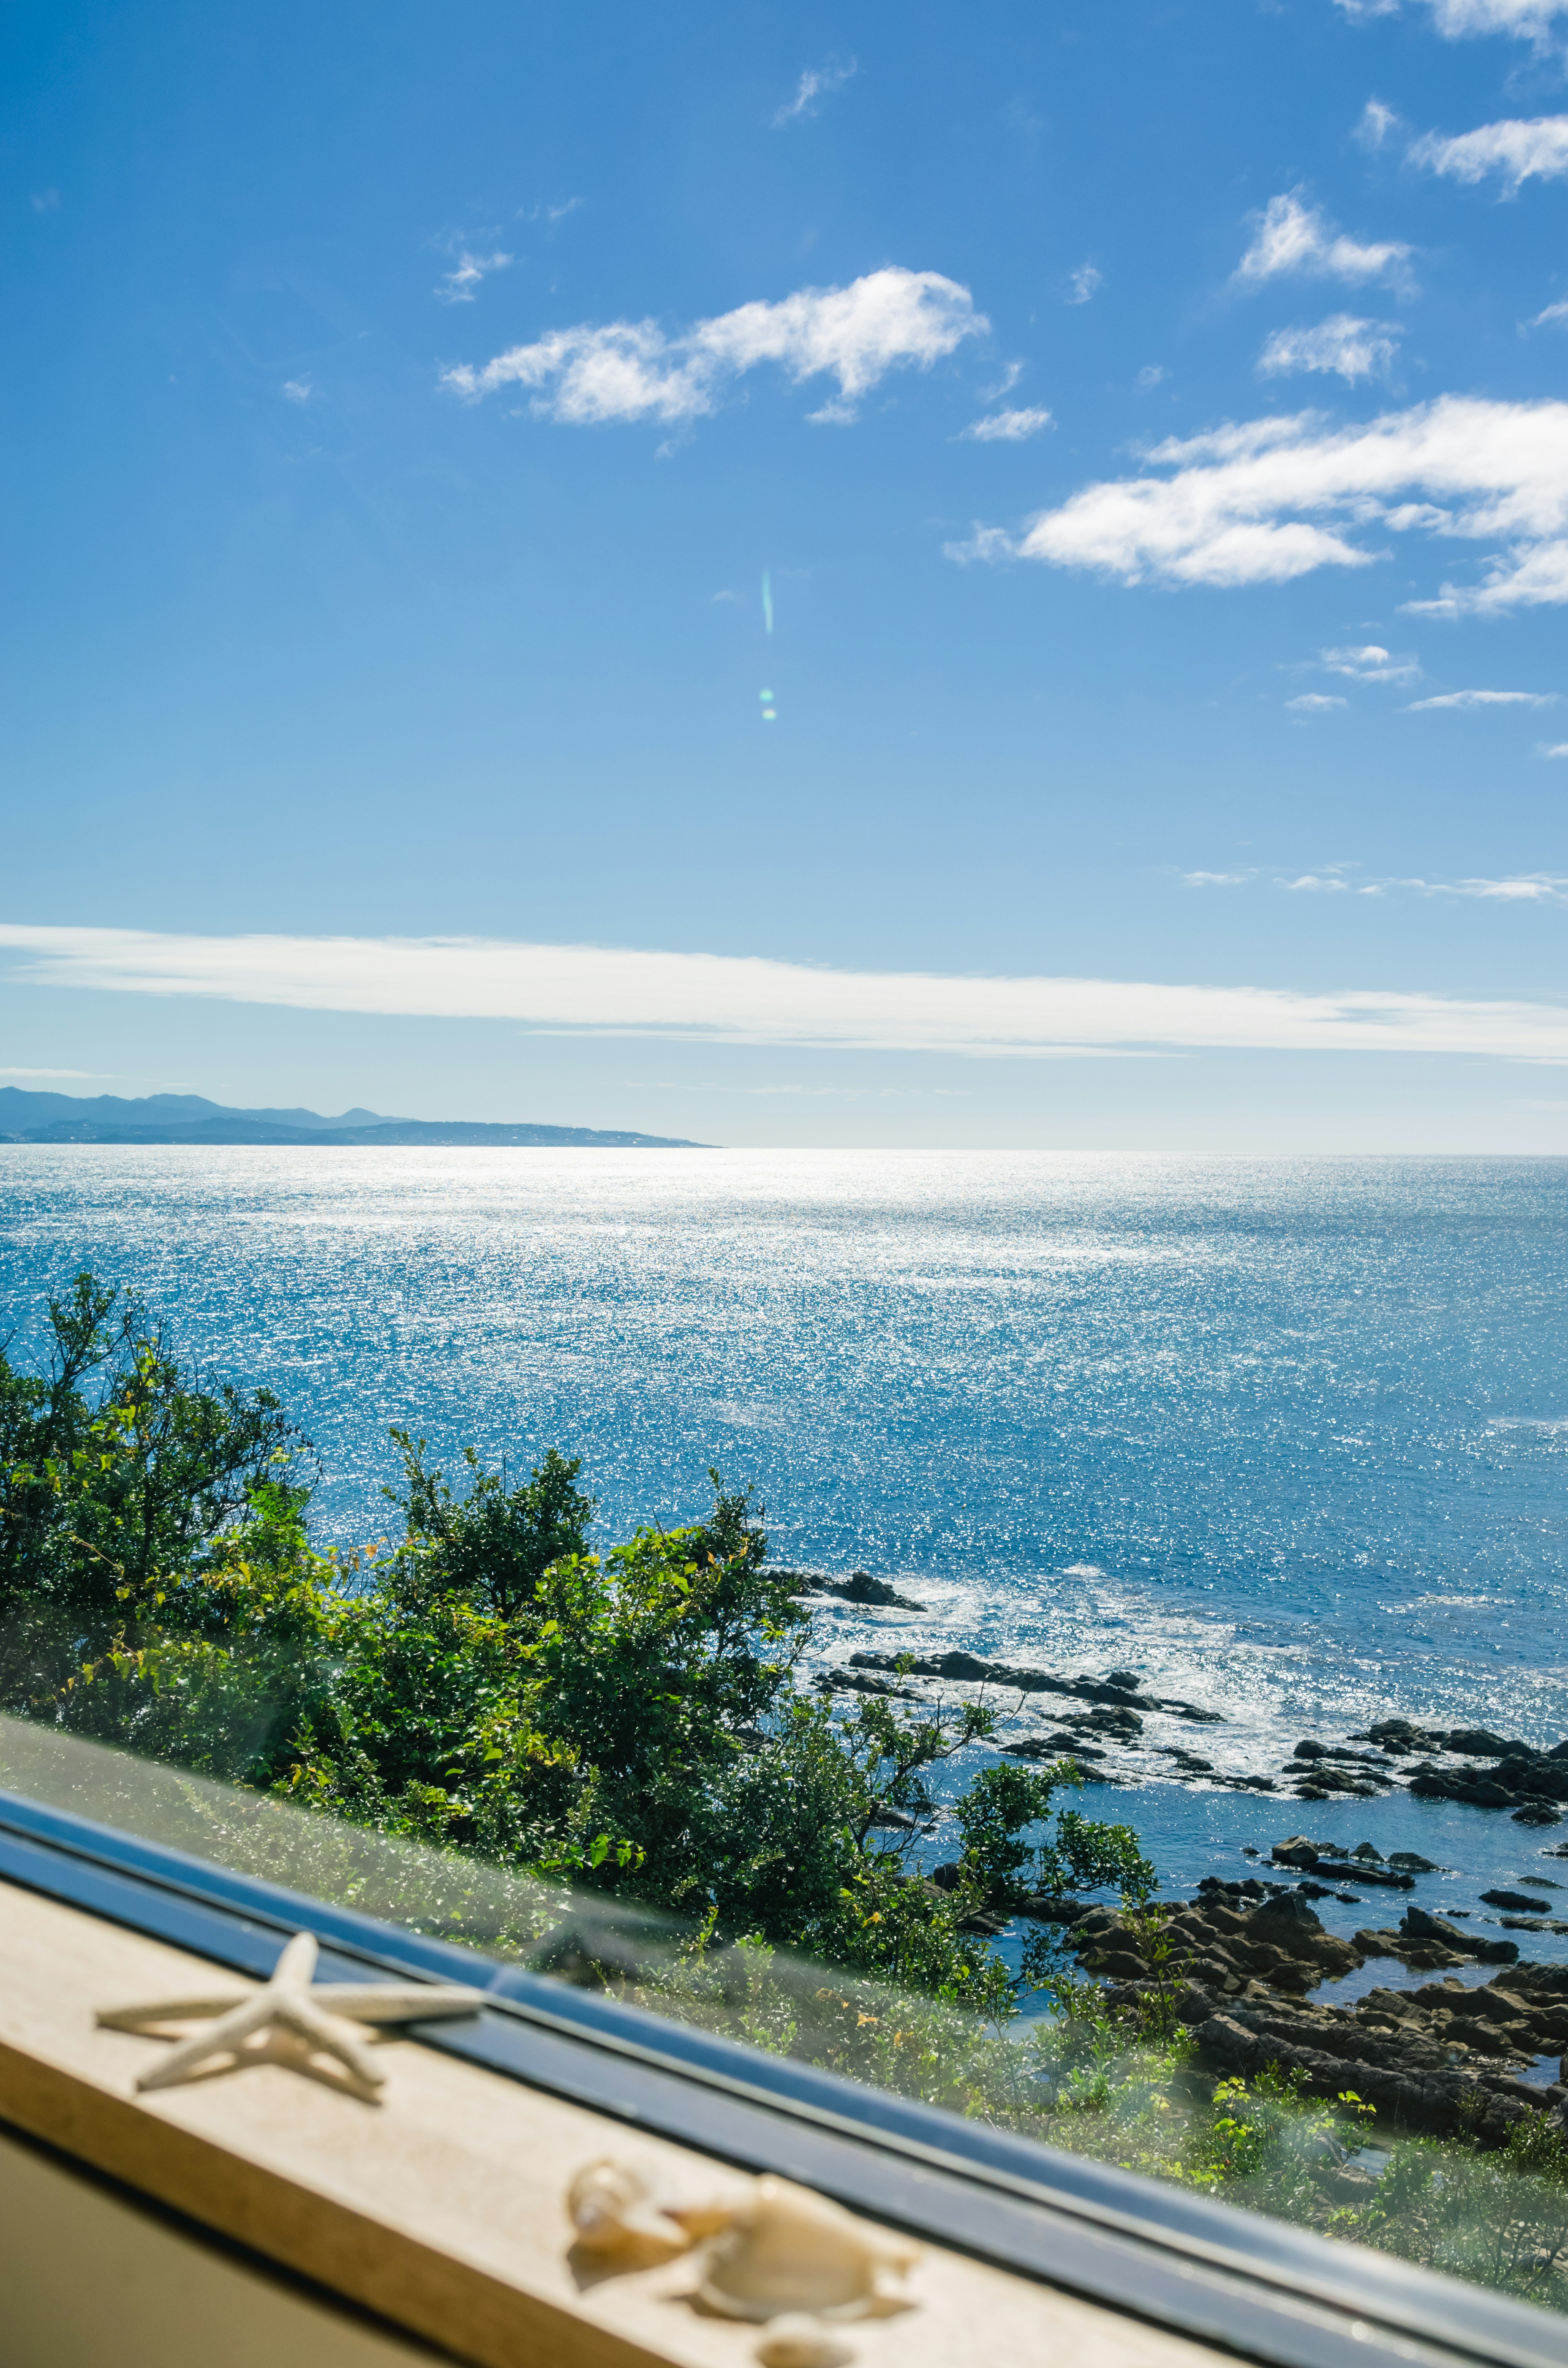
[{"x": 164, "y": 1119}]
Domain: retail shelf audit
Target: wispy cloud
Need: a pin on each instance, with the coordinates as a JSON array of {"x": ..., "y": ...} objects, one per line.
[
  {"x": 91, "y": 1074},
  {"x": 47, "y": 201},
  {"x": 297, "y": 390},
  {"x": 1152, "y": 374},
  {"x": 1316, "y": 702},
  {"x": 1006, "y": 427},
  {"x": 1461, "y": 699},
  {"x": 461, "y": 283},
  {"x": 1375, "y": 124},
  {"x": 1559, "y": 749},
  {"x": 1554, "y": 313},
  {"x": 816, "y": 84},
  {"x": 1527, "y": 20},
  {"x": 1369, "y": 662},
  {"x": 1512, "y": 152},
  {"x": 1085, "y": 281},
  {"x": 1351, "y": 349},
  {"x": 634, "y": 369},
  {"x": 747, "y": 999},
  {"x": 1332, "y": 880},
  {"x": 1270, "y": 499},
  {"x": 1291, "y": 238}
]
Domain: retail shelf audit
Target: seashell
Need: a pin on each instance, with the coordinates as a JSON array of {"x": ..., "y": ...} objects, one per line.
[
  {"x": 614, "y": 2209},
  {"x": 617, "y": 2207},
  {"x": 788, "y": 2250},
  {"x": 797, "y": 2341}
]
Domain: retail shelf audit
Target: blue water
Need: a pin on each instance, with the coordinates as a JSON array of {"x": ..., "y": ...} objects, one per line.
[{"x": 1288, "y": 1436}]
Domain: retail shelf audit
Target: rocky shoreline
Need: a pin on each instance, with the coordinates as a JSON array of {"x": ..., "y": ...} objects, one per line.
[
  {"x": 1237, "y": 1962},
  {"x": 1469, "y": 1764}
]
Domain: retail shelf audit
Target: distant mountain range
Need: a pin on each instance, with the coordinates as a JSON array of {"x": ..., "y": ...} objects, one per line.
[{"x": 187, "y": 1117}]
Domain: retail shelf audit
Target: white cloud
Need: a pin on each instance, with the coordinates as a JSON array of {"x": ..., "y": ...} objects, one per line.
[
  {"x": 1352, "y": 349},
  {"x": 1520, "y": 888},
  {"x": 56, "y": 1073},
  {"x": 297, "y": 390},
  {"x": 816, "y": 84},
  {"x": 1085, "y": 281},
  {"x": 1007, "y": 427},
  {"x": 1294, "y": 238},
  {"x": 1461, "y": 698},
  {"x": 1527, "y": 20},
  {"x": 748, "y": 1000},
  {"x": 1555, "y": 313},
  {"x": 1375, "y": 123},
  {"x": 1152, "y": 374},
  {"x": 457, "y": 286},
  {"x": 632, "y": 370},
  {"x": 1369, "y": 662},
  {"x": 1316, "y": 702},
  {"x": 1561, "y": 749},
  {"x": 1270, "y": 499},
  {"x": 1515, "y": 152}
]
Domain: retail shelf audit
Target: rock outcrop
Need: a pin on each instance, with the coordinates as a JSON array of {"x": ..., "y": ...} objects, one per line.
[
  {"x": 1440, "y": 2058},
  {"x": 972, "y": 1670}
]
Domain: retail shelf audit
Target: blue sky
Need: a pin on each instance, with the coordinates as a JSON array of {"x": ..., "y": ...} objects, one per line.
[{"x": 1145, "y": 425}]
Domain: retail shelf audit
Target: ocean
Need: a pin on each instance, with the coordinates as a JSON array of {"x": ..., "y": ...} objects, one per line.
[{"x": 1287, "y": 1437}]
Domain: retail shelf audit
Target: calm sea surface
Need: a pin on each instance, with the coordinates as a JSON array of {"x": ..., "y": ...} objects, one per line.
[{"x": 1288, "y": 1436}]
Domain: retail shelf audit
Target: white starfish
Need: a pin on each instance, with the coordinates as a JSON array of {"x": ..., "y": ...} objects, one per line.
[{"x": 311, "y": 2020}]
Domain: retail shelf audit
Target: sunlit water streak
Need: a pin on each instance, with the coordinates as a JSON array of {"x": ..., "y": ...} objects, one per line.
[{"x": 1288, "y": 1436}]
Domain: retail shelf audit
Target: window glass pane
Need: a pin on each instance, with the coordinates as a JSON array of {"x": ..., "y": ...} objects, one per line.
[{"x": 667, "y": 1763}]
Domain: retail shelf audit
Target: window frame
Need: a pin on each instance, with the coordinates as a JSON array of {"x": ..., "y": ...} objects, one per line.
[{"x": 1191, "y": 2265}]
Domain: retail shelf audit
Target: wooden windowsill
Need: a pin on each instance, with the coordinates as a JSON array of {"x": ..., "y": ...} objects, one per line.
[{"x": 441, "y": 2210}]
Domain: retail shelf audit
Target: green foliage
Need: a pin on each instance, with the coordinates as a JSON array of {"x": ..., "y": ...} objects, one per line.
[
  {"x": 495, "y": 1544},
  {"x": 489, "y": 1682},
  {"x": 116, "y": 1471}
]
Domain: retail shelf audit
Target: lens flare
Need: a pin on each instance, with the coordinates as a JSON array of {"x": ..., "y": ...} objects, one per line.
[{"x": 767, "y": 601}]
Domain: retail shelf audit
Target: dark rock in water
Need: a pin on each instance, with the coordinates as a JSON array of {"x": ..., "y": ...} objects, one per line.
[
  {"x": 1116, "y": 1726},
  {"x": 856, "y": 1681},
  {"x": 1365, "y": 1851},
  {"x": 1516, "y": 1899},
  {"x": 1389, "y": 1878},
  {"x": 1536, "y": 1812},
  {"x": 1046, "y": 1907},
  {"x": 1480, "y": 1743},
  {"x": 859, "y": 1587},
  {"x": 1399, "y": 1737},
  {"x": 1325, "y": 1861},
  {"x": 1411, "y": 1862},
  {"x": 974, "y": 1671},
  {"x": 1187, "y": 1760},
  {"x": 1420, "y": 1926},
  {"x": 1059, "y": 1746},
  {"x": 1322, "y": 1781}
]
